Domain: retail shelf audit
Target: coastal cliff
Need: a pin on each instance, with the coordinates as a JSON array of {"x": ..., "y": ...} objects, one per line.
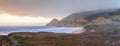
[{"x": 90, "y": 17}]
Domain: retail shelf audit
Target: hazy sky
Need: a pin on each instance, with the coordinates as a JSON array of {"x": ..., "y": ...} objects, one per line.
[{"x": 37, "y": 12}]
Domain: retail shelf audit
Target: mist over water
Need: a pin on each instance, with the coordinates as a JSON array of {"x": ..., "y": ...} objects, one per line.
[{"x": 4, "y": 30}]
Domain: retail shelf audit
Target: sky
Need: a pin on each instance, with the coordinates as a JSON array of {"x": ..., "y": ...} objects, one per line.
[{"x": 40, "y": 12}]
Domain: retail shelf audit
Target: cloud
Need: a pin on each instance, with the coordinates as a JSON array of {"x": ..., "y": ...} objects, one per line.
[
  {"x": 16, "y": 10},
  {"x": 8, "y": 19},
  {"x": 54, "y": 8},
  {"x": 17, "y": 7}
]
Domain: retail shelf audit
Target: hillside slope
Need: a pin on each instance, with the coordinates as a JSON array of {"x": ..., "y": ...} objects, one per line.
[
  {"x": 53, "y": 22},
  {"x": 83, "y": 18}
]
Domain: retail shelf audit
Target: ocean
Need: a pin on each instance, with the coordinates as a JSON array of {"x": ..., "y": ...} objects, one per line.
[{"x": 4, "y": 30}]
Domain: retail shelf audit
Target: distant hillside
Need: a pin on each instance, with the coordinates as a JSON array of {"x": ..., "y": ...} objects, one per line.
[
  {"x": 90, "y": 17},
  {"x": 53, "y": 22}
]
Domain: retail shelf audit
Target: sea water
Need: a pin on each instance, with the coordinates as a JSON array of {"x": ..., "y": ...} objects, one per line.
[{"x": 4, "y": 30}]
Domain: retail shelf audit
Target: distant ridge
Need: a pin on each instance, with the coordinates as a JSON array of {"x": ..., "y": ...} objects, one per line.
[{"x": 89, "y": 17}]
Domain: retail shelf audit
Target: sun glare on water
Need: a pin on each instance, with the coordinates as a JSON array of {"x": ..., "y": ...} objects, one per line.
[{"x": 8, "y": 19}]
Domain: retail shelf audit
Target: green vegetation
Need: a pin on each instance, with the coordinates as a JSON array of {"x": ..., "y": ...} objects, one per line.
[
  {"x": 4, "y": 41},
  {"x": 105, "y": 27},
  {"x": 104, "y": 14},
  {"x": 116, "y": 18},
  {"x": 56, "y": 39}
]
